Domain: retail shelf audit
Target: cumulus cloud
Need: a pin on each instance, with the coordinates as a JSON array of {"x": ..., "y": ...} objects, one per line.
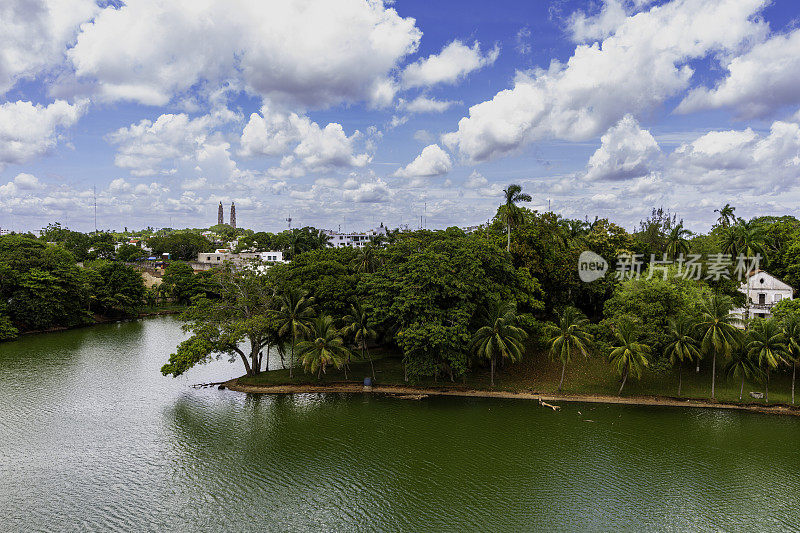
[
  {"x": 636, "y": 69},
  {"x": 28, "y": 130},
  {"x": 22, "y": 182},
  {"x": 308, "y": 53},
  {"x": 304, "y": 143},
  {"x": 476, "y": 181},
  {"x": 148, "y": 148},
  {"x": 759, "y": 82},
  {"x": 375, "y": 191},
  {"x": 455, "y": 61},
  {"x": 431, "y": 162},
  {"x": 626, "y": 151},
  {"x": 740, "y": 159},
  {"x": 34, "y": 35}
]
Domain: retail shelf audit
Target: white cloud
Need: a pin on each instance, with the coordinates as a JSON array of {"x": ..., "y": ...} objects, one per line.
[
  {"x": 476, "y": 181},
  {"x": 758, "y": 83},
  {"x": 626, "y": 151},
  {"x": 22, "y": 182},
  {"x": 307, "y": 145},
  {"x": 148, "y": 148},
  {"x": 308, "y": 53},
  {"x": 423, "y": 104},
  {"x": 369, "y": 192},
  {"x": 738, "y": 160},
  {"x": 34, "y": 35},
  {"x": 455, "y": 61},
  {"x": 28, "y": 130},
  {"x": 636, "y": 69},
  {"x": 432, "y": 161}
]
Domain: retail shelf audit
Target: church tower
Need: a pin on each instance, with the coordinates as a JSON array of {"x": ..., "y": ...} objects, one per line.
[
  {"x": 233, "y": 215},
  {"x": 220, "y": 216}
]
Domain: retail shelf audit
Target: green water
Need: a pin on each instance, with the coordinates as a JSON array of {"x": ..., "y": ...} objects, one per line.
[{"x": 93, "y": 438}]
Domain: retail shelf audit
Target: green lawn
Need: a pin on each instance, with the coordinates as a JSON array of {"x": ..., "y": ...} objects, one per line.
[{"x": 538, "y": 374}]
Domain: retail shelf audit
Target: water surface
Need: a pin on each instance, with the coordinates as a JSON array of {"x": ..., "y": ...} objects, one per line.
[{"x": 93, "y": 438}]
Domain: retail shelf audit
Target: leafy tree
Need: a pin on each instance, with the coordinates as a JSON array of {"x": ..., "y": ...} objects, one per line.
[
  {"x": 182, "y": 284},
  {"x": 741, "y": 365},
  {"x": 295, "y": 314},
  {"x": 224, "y": 324},
  {"x": 499, "y": 337},
  {"x": 744, "y": 238},
  {"x": 119, "y": 289},
  {"x": 324, "y": 346},
  {"x": 717, "y": 330},
  {"x": 791, "y": 332},
  {"x": 359, "y": 325},
  {"x": 628, "y": 356},
  {"x": 367, "y": 260},
  {"x": 767, "y": 346},
  {"x": 726, "y": 216},
  {"x": 569, "y": 336},
  {"x": 181, "y": 246},
  {"x": 677, "y": 241},
  {"x": 510, "y": 214},
  {"x": 682, "y": 345},
  {"x": 130, "y": 253}
]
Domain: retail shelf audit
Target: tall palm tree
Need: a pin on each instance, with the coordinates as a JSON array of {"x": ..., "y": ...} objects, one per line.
[
  {"x": 791, "y": 332},
  {"x": 717, "y": 331},
  {"x": 629, "y": 356},
  {"x": 766, "y": 345},
  {"x": 741, "y": 365},
  {"x": 677, "y": 242},
  {"x": 744, "y": 238},
  {"x": 359, "y": 325},
  {"x": 499, "y": 336},
  {"x": 569, "y": 336},
  {"x": 323, "y": 346},
  {"x": 295, "y": 314},
  {"x": 682, "y": 345},
  {"x": 366, "y": 260},
  {"x": 511, "y": 213},
  {"x": 726, "y": 216}
]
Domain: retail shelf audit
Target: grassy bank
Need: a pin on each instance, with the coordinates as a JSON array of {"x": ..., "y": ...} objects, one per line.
[{"x": 538, "y": 374}]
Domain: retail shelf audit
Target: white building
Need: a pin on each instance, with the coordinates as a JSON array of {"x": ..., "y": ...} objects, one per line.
[
  {"x": 207, "y": 260},
  {"x": 353, "y": 240},
  {"x": 763, "y": 291},
  {"x": 273, "y": 257},
  {"x": 4, "y": 231}
]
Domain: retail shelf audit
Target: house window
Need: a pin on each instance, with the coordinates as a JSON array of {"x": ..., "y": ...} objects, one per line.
[{"x": 762, "y": 298}]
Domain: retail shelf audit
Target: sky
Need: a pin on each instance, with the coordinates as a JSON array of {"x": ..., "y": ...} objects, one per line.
[{"x": 346, "y": 114}]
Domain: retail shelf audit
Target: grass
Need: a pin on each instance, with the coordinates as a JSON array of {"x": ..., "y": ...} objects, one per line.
[{"x": 537, "y": 373}]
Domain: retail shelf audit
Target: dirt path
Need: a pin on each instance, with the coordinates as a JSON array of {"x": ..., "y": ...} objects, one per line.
[{"x": 587, "y": 398}]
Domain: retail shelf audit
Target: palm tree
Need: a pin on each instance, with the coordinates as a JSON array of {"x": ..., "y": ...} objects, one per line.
[
  {"x": 499, "y": 336},
  {"x": 744, "y": 238},
  {"x": 295, "y": 314},
  {"x": 741, "y": 365},
  {"x": 766, "y": 345},
  {"x": 717, "y": 331},
  {"x": 677, "y": 242},
  {"x": 366, "y": 260},
  {"x": 511, "y": 214},
  {"x": 791, "y": 332},
  {"x": 569, "y": 336},
  {"x": 726, "y": 215},
  {"x": 359, "y": 325},
  {"x": 682, "y": 345},
  {"x": 629, "y": 356},
  {"x": 324, "y": 346}
]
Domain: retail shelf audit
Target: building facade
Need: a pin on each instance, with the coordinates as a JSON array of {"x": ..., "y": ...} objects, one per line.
[
  {"x": 353, "y": 240},
  {"x": 762, "y": 291}
]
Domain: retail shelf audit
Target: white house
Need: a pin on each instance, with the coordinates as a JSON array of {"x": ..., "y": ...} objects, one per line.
[
  {"x": 353, "y": 240},
  {"x": 763, "y": 291},
  {"x": 273, "y": 257}
]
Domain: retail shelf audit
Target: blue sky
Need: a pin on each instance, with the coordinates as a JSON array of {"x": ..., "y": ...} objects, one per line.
[{"x": 350, "y": 113}]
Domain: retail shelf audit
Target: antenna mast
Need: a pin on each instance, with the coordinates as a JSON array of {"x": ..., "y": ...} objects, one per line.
[{"x": 94, "y": 193}]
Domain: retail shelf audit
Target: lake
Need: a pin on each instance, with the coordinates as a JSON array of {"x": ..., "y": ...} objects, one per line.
[{"x": 93, "y": 438}]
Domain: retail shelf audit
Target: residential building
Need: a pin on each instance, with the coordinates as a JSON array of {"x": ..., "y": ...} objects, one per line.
[
  {"x": 763, "y": 291},
  {"x": 353, "y": 240}
]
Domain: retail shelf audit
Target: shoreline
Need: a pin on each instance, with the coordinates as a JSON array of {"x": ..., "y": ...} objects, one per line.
[
  {"x": 99, "y": 322},
  {"x": 396, "y": 390}
]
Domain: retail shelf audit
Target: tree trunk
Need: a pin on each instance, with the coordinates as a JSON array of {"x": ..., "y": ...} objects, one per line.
[
  {"x": 794, "y": 366},
  {"x": 267, "y": 368},
  {"x": 680, "y": 377},
  {"x": 713, "y": 373},
  {"x": 405, "y": 371},
  {"x": 741, "y": 389},
  {"x": 283, "y": 362},
  {"x": 492, "y": 371},
  {"x": 246, "y": 364},
  {"x": 766, "y": 395},
  {"x": 508, "y": 231},
  {"x": 372, "y": 366},
  {"x": 624, "y": 378},
  {"x": 291, "y": 356},
  {"x": 563, "y": 368}
]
